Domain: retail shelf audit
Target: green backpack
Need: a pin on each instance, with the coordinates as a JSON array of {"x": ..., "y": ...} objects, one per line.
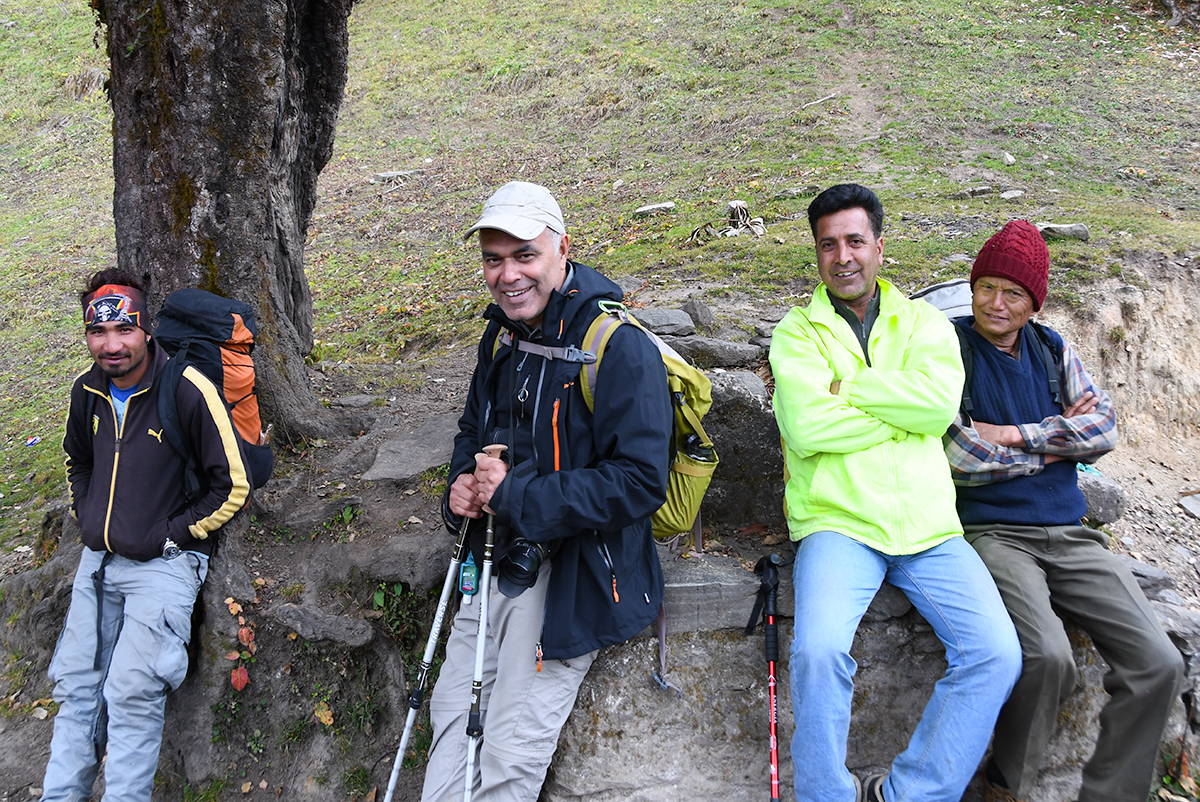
[{"x": 691, "y": 396}]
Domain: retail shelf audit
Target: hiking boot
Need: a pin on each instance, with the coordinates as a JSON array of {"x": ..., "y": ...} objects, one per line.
[
  {"x": 995, "y": 789},
  {"x": 993, "y": 792},
  {"x": 872, "y": 787}
]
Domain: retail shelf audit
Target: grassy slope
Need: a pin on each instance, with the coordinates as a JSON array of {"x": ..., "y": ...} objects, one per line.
[{"x": 694, "y": 102}]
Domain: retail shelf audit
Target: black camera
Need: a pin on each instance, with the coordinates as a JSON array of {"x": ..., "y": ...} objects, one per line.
[{"x": 518, "y": 569}]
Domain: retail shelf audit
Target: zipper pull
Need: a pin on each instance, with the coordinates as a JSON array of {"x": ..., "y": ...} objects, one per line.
[
  {"x": 616, "y": 597},
  {"x": 539, "y": 657}
]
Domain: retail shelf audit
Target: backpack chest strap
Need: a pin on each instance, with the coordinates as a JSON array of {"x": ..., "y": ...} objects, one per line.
[{"x": 567, "y": 353}]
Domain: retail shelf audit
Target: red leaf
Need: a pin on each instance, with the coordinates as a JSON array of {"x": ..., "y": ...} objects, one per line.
[
  {"x": 246, "y": 636},
  {"x": 234, "y": 655},
  {"x": 239, "y": 677}
]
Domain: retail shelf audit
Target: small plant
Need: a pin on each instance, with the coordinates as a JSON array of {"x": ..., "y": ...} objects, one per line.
[
  {"x": 292, "y": 591},
  {"x": 399, "y": 609},
  {"x": 207, "y": 793},
  {"x": 293, "y": 731},
  {"x": 256, "y": 743},
  {"x": 356, "y": 780},
  {"x": 433, "y": 481},
  {"x": 1117, "y": 334}
]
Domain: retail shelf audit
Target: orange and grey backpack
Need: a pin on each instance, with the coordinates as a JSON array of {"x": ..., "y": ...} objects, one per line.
[{"x": 216, "y": 335}]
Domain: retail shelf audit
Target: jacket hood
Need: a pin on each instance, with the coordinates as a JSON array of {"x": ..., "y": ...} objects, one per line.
[
  {"x": 587, "y": 286},
  {"x": 97, "y": 379}
]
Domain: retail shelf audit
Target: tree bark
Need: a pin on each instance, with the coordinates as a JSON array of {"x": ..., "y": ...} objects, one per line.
[{"x": 223, "y": 116}]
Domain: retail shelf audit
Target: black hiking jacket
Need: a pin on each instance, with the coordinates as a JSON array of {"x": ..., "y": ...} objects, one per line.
[
  {"x": 585, "y": 482},
  {"x": 126, "y": 484}
]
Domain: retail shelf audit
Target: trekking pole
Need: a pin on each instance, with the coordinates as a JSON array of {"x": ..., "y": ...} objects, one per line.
[
  {"x": 417, "y": 697},
  {"x": 768, "y": 569},
  {"x": 474, "y": 720}
]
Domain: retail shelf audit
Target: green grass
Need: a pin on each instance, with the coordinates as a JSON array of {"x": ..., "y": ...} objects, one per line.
[{"x": 694, "y": 102}]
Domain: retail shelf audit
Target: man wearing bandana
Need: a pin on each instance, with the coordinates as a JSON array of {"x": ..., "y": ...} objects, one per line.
[{"x": 123, "y": 647}]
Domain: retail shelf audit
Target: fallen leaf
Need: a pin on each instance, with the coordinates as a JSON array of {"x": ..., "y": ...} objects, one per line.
[
  {"x": 241, "y": 621},
  {"x": 239, "y": 677},
  {"x": 287, "y": 669},
  {"x": 246, "y": 786},
  {"x": 412, "y": 519},
  {"x": 409, "y": 492},
  {"x": 292, "y": 636},
  {"x": 323, "y": 714},
  {"x": 234, "y": 655},
  {"x": 263, "y": 784},
  {"x": 775, "y": 540},
  {"x": 262, "y": 583},
  {"x": 370, "y": 797},
  {"x": 1163, "y": 793},
  {"x": 234, "y": 607},
  {"x": 753, "y": 529},
  {"x": 246, "y": 636}
]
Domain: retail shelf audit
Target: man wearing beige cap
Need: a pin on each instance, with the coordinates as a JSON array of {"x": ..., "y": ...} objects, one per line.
[
  {"x": 576, "y": 566},
  {"x": 1030, "y": 414}
]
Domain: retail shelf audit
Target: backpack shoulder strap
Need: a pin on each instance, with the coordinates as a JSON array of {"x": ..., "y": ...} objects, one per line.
[
  {"x": 168, "y": 418},
  {"x": 1038, "y": 337},
  {"x": 595, "y": 340},
  {"x": 968, "y": 359}
]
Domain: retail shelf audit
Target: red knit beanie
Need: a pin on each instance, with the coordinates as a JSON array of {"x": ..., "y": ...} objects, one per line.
[{"x": 1018, "y": 253}]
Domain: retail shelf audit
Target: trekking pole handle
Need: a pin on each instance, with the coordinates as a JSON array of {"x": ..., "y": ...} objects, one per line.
[
  {"x": 494, "y": 451},
  {"x": 771, "y": 581}
]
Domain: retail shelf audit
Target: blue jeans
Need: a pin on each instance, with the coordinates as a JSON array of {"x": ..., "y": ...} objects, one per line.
[
  {"x": 144, "y": 631},
  {"x": 835, "y": 580}
]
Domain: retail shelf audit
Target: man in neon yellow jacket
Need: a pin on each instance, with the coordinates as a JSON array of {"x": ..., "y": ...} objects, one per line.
[{"x": 866, "y": 383}]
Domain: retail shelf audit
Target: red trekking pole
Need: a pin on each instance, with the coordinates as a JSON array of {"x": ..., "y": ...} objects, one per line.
[{"x": 764, "y": 605}]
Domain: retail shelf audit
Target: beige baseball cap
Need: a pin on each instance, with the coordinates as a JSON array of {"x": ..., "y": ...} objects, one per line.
[{"x": 522, "y": 210}]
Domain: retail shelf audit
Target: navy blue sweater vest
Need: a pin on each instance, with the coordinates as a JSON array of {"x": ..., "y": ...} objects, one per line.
[{"x": 1007, "y": 392}]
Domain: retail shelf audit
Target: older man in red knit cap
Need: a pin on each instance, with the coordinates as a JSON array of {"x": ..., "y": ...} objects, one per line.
[{"x": 1030, "y": 414}]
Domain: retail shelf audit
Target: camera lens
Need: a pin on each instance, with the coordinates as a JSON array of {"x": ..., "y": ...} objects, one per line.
[{"x": 518, "y": 569}]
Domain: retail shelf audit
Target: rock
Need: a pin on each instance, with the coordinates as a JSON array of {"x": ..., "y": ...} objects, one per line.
[
  {"x": 1191, "y": 505},
  {"x": 672, "y": 322},
  {"x": 700, "y": 314},
  {"x": 1105, "y": 498},
  {"x": 708, "y": 352},
  {"x": 430, "y": 446},
  {"x": 315, "y": 625},
  {"x": 1009, "y": 159},
  {"x": 972, "y": 192},
  {"x": 1012, "y": 194},
  {"x": 762, "y": 342},
  {"x": 1069, "y": 231},
  {"x": 748, "y": 484},
  {"x": 796, "y": 192},
  {"x": 712, "y": 742},
  {"x": 957, "y": 258},
  {"x": 356, "y": 401},
  {"x": 629, "y": 285},
  {"x": 1183, "y": 625},
  {"x": 765, "y": 328},
  {"x": 1150, "y": 579},
  {"x": 654, "y": 208},
  {"x": 706, "y": 592}
]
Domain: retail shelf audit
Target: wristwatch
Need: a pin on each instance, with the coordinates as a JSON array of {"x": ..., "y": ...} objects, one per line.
[{"x": 170, "y": 549}]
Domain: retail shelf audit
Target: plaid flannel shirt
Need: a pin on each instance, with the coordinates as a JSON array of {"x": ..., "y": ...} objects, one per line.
[{"x": 1083, "y": 438}]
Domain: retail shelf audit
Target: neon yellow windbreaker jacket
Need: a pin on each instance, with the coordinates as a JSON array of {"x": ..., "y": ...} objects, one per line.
[{"x": 868, "y": 462}]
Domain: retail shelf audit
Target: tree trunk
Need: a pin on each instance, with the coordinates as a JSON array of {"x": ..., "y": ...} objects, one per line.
[{"x": 223, "y": 116}]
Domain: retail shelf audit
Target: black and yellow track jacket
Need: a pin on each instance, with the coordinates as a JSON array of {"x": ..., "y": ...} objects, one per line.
[{"x": 126, "y": 483}]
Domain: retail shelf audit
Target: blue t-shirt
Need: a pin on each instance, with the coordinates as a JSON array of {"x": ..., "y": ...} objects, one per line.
[{"x": 120, "y": 398}]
